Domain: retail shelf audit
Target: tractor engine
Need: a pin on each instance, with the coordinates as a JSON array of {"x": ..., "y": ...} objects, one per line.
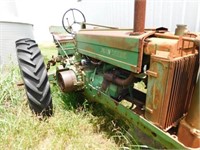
[
  {"x": 112, "y": 61},
  {"x": 109, "y": 63}
]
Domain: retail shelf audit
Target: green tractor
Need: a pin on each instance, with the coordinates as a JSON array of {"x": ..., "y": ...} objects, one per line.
[{"x": 105, "y": 64}]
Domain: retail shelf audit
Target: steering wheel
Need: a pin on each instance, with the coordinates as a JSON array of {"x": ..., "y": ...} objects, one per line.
[{"x": 73, "y": 20}]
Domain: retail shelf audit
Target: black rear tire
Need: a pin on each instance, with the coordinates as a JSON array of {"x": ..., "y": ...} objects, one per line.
[{"x": 35, "y": 77}]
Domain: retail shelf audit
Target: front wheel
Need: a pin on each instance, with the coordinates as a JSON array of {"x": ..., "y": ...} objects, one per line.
[{"x": 35, "y": 77}]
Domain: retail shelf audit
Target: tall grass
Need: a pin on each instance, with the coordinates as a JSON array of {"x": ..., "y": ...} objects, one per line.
[
  {"x": 8, "y": 78},
  {"x": 75, "y": 125}
]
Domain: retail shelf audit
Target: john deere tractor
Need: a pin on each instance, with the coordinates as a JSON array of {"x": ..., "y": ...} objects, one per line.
[{"x": 107, "y": 64}]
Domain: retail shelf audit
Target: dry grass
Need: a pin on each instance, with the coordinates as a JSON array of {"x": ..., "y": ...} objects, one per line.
[
  {"x": 69, "y": 128},
  {"x": 72, "y": 127}
]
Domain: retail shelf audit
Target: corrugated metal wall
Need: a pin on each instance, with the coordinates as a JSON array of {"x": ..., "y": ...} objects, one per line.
[
  {"x": 11, "y": 29},
  {"x": 166, "y": 13},
  {"x": 9, "y": 33}
]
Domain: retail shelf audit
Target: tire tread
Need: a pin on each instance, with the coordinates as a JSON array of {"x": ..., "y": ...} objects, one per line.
[{"x": 35, "y": 78}]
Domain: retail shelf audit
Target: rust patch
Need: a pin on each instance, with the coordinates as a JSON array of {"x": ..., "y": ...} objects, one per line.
[
  {"x": 116, "y": 103},
  {"x": 112, "y": 41},
  {"x": 141, "y": 47},
  {"x": 134, "y": 69},
  {"x": 193, "y": 135},
  {"x": 171, "y": 90}
]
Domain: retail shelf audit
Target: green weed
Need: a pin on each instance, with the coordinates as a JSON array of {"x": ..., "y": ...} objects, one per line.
[
  {"x": 75, "y": 125},
  {"x": 67, "y": 129}
]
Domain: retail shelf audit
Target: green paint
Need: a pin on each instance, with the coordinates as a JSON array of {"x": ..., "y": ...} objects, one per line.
[
  {"x": 107, "y": 67},
  {"x": 112, "y": 90},
  {"x": 132, "y": 118},
  {"x": 119, "y": 51},
  {"x": 97, "y": 79},
  {"x": 68, "y": 47},
  {"x": 126, "y": 60}
]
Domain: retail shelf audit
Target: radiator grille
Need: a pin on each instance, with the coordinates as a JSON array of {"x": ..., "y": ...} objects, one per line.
[
  {"x": 181, "y": 89},
  {"x": 169, "y": 92}
]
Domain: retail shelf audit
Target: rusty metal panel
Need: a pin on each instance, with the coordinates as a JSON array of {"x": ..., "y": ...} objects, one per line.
[
  {"x": 193, "y": 135},
  {"x": 190, "y": 126},
  {"x": 169, "y": 92}
]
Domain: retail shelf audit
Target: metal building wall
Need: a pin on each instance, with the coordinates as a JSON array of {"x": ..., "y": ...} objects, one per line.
[
  {"x": 12, "y": 28},
  {"x": 9, "y": 33},
  {"x": 166, "y": 13}
]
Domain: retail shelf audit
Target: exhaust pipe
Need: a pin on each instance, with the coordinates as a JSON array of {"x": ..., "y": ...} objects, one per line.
[
  {"x": 116, "y": 80},
  {"x": 139, "y": 16}
]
